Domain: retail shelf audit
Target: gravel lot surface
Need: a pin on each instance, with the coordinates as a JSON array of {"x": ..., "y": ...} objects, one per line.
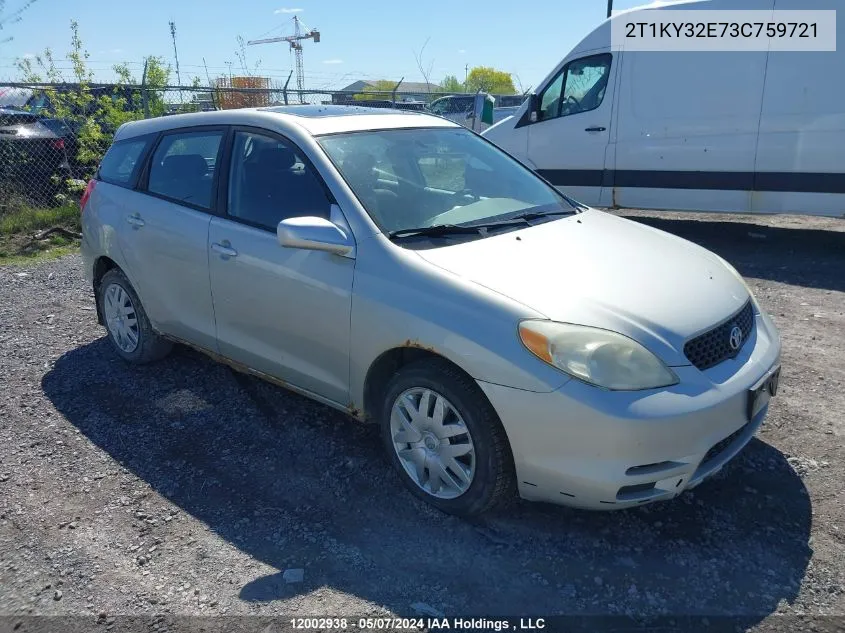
[{"x": 183, "y": 488}]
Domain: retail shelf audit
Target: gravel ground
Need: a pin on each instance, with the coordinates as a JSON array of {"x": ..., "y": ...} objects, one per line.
[{"x": 183, "y": 488}]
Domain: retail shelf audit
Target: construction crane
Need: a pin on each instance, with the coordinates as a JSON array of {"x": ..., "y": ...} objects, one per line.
[{"x": 295, "y": 42}]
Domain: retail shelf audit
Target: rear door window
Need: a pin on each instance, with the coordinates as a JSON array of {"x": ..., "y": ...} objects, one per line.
[
  {"x": 183, "y": 166},
  {"x": 121, "y": 162}
]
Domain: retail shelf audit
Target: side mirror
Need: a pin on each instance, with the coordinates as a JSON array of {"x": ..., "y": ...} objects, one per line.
[
  {"x": 315, "y": 234},
  {"x": 533, "y": 107}
]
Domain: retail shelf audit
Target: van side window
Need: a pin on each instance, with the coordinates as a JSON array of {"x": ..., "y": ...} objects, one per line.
[
  {"x": 269, "y": 181},
  {"x": 580, "y": 87},
  {"x": 182, "y": 167},
  {"x": 439, "y": 106},
  {"x": 550, "y": 101},
  {"x": 119, "y": 163},
  {"x": 462, "y": 105}
]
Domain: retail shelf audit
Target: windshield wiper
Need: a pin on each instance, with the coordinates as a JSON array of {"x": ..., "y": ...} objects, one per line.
[
  {"x": 477, "y": 227},
  {"x": 521, "y": 218},
  {"x": 536, "y": 215},
  {"x": 434, "y": 231}
]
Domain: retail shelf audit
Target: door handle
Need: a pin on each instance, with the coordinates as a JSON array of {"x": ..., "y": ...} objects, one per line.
[
  {"x": 224, "y": 248},
  {"x": 595, "y": 129},
  {"x": 135, "y": 220}
]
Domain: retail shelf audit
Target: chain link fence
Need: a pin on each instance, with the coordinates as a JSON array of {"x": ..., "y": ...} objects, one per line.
[{"x": 53, "y": 136}]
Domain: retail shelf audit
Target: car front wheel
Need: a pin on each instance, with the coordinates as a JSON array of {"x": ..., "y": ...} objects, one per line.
[{"x": 445, "y": 440}]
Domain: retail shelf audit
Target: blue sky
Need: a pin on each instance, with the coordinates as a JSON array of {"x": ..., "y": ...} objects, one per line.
[{"x": 372, "y": 39}]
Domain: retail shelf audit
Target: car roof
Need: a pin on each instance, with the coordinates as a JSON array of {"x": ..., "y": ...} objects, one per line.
[{"x": 313, "y": 119}]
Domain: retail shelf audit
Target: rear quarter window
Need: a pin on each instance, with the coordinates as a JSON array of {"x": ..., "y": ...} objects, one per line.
[{"x": 121, "y": 161}]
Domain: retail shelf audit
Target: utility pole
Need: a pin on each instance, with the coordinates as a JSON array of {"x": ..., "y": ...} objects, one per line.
[
  {"x": 609, "y": 7},
  {"x": 210, "y": 85},
  {"x": 229, "y": 64},
  {"x": 175, "y": 52},
  {"x": 144, "y": 97},
  {"x": 466, "y": 76}
]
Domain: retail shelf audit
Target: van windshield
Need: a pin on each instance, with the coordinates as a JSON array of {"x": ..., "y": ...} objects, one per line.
[{"x": 433, "y": 177}]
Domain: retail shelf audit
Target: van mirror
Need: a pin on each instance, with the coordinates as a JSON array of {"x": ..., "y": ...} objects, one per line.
[
  {"x": 533, "y": 107},
  {"x": 315, "y": 234}
]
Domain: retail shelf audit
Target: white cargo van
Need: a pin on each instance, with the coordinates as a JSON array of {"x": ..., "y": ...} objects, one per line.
[{"x": 719, "y": 131}]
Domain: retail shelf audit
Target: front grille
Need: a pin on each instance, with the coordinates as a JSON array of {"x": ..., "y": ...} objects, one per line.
[{"x": 714, "y": 346}]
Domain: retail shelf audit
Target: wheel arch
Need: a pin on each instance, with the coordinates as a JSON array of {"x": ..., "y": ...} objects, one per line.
[
  {"x": 390, "y": 362},
  {"x": 102, "y": 265}
]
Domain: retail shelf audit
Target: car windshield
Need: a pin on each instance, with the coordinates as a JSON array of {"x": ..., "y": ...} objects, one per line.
[{"x": 438, "y": 177}]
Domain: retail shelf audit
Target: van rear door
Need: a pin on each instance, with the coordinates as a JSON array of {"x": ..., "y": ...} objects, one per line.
[{"x": 568, "y": 141}]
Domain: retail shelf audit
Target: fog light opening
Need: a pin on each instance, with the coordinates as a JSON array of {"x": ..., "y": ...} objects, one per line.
[{"x": 636, "y": 492}]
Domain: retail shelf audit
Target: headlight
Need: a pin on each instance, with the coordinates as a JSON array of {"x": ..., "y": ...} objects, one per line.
[{"x": 599, "y": 357}]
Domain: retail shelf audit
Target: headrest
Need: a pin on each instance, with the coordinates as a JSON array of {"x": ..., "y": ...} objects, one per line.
[
  {"x": 276, "y": 158},
  {"x": 360, "y": 165}
]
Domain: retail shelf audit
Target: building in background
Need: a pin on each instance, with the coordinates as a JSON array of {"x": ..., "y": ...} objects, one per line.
[
  {"x": 237, "y": 92},
  {"x": 408, "y": 90}
]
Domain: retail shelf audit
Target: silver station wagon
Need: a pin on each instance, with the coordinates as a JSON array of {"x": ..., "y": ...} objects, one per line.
[{"x": 400, "y": 268}]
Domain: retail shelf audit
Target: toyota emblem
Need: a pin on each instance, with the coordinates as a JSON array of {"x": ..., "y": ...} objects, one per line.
[{"x": 735, "y": 339}]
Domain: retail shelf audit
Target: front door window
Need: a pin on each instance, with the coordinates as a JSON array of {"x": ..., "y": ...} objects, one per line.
[
  {"x": 270, "y": 181},
  {"x": 579, "y": 87}
]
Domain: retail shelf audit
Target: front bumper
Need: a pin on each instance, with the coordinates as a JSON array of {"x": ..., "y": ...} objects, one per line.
[{"x": 597, "y": 449}]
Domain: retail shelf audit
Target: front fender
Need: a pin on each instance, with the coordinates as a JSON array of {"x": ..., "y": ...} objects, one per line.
[{"x": 409, "y": 303}]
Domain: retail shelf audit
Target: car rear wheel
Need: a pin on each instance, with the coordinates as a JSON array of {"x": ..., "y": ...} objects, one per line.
[
  {"x": 445, "y": 440},
  {"x": 130, "y": 332}
]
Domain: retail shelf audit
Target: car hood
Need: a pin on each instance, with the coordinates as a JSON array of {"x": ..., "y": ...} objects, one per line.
[{"x": 599, "y": 270}]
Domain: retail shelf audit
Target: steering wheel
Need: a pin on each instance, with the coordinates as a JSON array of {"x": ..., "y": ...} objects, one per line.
[{"x": 571, "y": 104}]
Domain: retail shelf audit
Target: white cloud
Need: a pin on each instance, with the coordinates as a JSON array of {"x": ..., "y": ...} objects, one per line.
[
  {"x": 28, "y": 55},
  {"x": 332, "y": 61},
  {"x": 462, "y": 51},
  {"x": 288, "y": 10}
]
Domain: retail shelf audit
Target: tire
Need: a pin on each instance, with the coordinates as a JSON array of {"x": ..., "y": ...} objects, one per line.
[
  {"x": 148, "y": 346},
  {"x": 489, "y": 465}
]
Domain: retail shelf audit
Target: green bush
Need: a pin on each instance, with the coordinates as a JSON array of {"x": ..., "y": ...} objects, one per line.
[{"x": 94, "y": 114}]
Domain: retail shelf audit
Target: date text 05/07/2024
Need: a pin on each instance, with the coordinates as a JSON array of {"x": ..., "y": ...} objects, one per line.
[{"x": 412, "y": 624}]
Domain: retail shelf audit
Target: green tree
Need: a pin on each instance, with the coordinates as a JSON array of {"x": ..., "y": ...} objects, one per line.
[
  {"x": 376, "y": 91},
  {"x": 490, "y": 80},
  {"x": 94, "y": 113},
  {"x": 451, "y": 84}
]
